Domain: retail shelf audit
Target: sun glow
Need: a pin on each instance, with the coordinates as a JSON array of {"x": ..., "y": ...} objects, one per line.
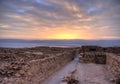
[{"x": 65, "y": 36}]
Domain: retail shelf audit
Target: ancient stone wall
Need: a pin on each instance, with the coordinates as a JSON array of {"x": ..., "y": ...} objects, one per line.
[
  {"x": 93, "y": 57},
  {"x": 87, "y": 58},
  {"x": 113, "y": 64},
  {"x": 35, "y": 70},
  {"x": 115, "y": 50},
  {"x": 91, "y": 49}
]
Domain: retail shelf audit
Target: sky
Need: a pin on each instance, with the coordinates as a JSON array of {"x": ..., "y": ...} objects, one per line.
[{"x": 60, "y": 19}]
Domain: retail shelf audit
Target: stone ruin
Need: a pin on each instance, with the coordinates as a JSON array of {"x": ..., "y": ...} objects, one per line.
[
  {"x": 99, "y": 55},
  {"x": 31, "y": 65},
  {"x": 34, "y": 65}
]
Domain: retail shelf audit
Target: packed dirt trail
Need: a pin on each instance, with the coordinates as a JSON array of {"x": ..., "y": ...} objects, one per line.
[{"x": 86, "y": 73}]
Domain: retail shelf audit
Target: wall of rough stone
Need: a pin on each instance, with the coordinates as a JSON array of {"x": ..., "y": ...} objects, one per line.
[
  {"x": 38, "y": 70},
  {"x": 115, "y": 50},
  {"x": 113, "y": 64},
  {"x": 92, "y": 54},
  {"x": 91, "y": 49},
  {"x": 93, "y": 57},
  {"x": 87, "y": 58}
]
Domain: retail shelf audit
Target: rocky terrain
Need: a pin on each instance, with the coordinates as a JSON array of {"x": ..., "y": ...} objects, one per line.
[{"x": 34, "y": 65}]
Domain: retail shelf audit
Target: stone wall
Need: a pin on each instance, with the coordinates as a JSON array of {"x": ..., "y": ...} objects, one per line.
[
  {"x": 93, "y": 57},
  {"x": 113, "y": 64},
  {"x": 31, "y": 66},
  {"x": 115, "y": 50},
  {"x": 39, "y": 70},
  {"x": 87, "y": 58},
  {"x": 91, "y": 49}
]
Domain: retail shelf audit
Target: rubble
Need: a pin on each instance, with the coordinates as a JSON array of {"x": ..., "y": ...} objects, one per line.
[{"x": 70, "y": 79}]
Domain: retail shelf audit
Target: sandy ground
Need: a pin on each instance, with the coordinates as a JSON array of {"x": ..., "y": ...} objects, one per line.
[
  {"x": 86, "y": 73},
  {"x": 92, "y": 74}
]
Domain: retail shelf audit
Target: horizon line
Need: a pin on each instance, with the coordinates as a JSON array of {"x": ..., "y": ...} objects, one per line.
[{"x": 53, "y": 39}]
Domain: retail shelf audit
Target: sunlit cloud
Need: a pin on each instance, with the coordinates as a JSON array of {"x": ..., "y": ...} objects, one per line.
[{"x": 60, "y": 19}]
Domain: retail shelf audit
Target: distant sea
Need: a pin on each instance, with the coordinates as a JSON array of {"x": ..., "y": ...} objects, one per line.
[{"x": 18, "y": 43}]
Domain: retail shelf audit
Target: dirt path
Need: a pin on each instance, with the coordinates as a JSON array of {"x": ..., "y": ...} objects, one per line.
[
  {"x": 86, "y": 73},
  {"x": 57, "y": 77}
]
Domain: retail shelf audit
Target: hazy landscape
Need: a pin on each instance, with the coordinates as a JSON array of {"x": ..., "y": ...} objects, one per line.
[{"x": 14, "y": 43}]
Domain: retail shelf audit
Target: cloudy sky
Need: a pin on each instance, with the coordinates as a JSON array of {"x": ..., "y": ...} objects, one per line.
[{"x": 60, "y": 19}]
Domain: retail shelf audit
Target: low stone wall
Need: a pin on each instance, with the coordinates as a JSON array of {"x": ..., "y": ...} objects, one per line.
[
  {"x": 91, "y": 49},
  {"x": 87, "y": 58},
  {"x": 113, "y": 64},
  {"x": 38, "y": 70},
  {"x": 93, "y": 57},
  {"x": 115, "y": 50}
]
